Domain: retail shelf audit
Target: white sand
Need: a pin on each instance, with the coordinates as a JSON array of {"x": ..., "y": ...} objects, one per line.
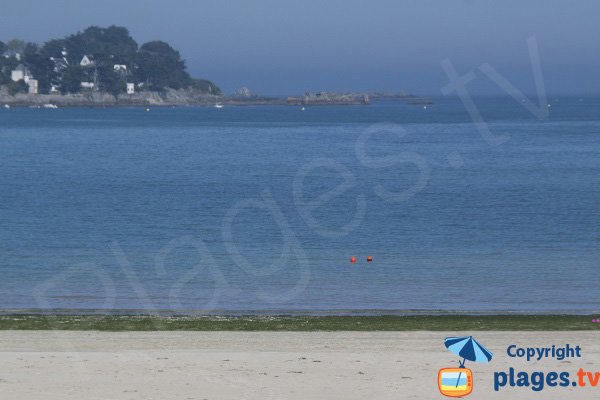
[{"x": 244, "y": 365}]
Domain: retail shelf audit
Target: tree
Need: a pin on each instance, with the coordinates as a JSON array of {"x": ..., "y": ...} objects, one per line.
[
  {"x": 45, "y": 67},
  {"x": 8, "y": 64},
  {"x": 112, "y": 45},
  {"x": 53, "y": 48},
  {"x": 161, "y": 66},
  {"x": 71, "y": 79},
  {"x": 40, "y": 67},
  {"x": 16, "y": 45},
  {"x": 110, "y": 81},
  {"x": 205, "y": 85},
  {"x": 30, "y": 51},
  {"x": 155, "y": 63},
  {"x": 17, "y": 87}
]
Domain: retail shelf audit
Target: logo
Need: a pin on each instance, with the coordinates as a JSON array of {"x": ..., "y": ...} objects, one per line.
[
  {"x": 455, "y": 382},
  {"x": 458, "y": 382},
  {"x": 537, "y": 380}
]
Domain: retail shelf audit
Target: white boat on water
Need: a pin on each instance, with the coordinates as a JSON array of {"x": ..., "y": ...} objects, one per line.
[
  {"x": 50, "y": 106},
  {"x": 7, "y": 106},
  {"x": 218, "y": 105}
]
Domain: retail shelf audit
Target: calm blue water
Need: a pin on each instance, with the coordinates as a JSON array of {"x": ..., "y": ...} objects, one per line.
[{"x": 196, "y": 208}]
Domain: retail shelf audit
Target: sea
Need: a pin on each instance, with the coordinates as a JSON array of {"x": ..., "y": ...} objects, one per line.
[{"x": 264, "y": 208}]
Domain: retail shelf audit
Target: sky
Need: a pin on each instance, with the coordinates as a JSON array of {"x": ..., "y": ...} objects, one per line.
[{"x": 279, "y": 47}]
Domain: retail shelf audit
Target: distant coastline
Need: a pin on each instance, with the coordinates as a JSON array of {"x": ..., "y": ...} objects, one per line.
[
  {"x": 190, "y": 97},
  {"x": 105, "y": 67}
]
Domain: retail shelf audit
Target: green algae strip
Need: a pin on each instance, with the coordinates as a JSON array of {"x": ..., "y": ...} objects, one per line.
[{"x": 116, "y": 323}]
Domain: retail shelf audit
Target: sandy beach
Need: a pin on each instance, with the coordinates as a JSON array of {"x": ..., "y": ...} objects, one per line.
[{"x": 65, "y": 365}]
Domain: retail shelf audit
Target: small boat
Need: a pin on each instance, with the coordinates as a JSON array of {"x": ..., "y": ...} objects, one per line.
[
  {"x": 53, "y": 106},
  {"x": 7, "y": 106},
  {"x": 218, "y": 105}
]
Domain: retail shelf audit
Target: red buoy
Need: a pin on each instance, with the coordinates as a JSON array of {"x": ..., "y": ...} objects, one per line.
[
  {"x": 369, "y": 258},
  {"x": 352, "y": 259}
]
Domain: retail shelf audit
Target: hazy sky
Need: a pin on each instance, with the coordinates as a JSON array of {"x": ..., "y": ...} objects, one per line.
[{"x": 281, "y": 46}]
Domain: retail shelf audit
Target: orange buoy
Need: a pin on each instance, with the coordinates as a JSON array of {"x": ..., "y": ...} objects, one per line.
[
  {"x": 352, "y": 259},
  {"x": 369, "y": 258}
]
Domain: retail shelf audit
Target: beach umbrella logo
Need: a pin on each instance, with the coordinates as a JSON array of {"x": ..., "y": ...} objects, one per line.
[{"x": 458, "y": 382}]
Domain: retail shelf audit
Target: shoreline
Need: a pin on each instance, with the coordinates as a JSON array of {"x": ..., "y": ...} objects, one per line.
[
  {"x": 288, "y": 312},
  {"x": 124, "y": 323},
  {"x": 186, "y": 98}
]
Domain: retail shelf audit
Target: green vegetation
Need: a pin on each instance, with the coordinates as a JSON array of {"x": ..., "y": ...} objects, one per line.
[
  {"x": 17, "y": 87},
  {"x": 160, "y": 66},
  {"x": 312, "y": 323},
  {"x": 205, "y": 86},
  {"x": 108, "y": 58}
]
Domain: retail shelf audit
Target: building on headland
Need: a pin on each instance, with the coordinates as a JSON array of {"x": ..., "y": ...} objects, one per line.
[
  {"x": 86, "y": 61},
  {"x": 16, "y": 75},
  {"x": 60, "y": 64},
  {"x": 33, "y": 86},
  {"x": 87, "y": 85},
  {"x": 20, "y": 73},
  {"x": 120, "y": 68},
  {"x": 130, "y": 88}
]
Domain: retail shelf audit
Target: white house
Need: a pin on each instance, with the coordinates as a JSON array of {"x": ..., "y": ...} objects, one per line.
[
  {"x": 130, "y": 88},
  {"x": 86, "y": 61},
  {"x": 33, "y": 86},
  {"x": 87, "y": 85},
  {"x": 120, "y": 68},
  {"x": 19, "y": 73},
  {"x": 60, "y": 64}
]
